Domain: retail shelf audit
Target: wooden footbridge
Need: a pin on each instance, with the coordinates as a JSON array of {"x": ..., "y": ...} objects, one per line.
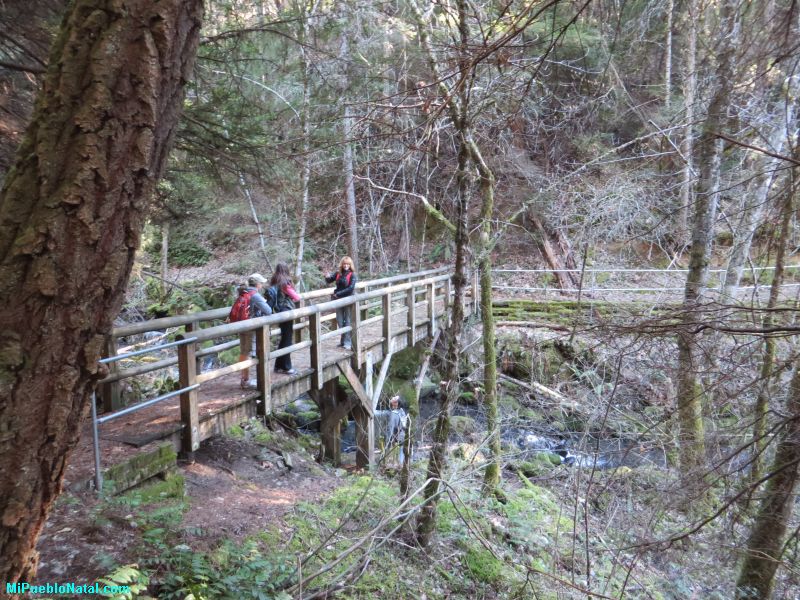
[{"x": 387, "y": 315}]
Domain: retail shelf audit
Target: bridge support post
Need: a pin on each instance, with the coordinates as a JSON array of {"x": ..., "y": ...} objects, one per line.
[
  {"x": 365, "y": 438},
  {"x": 187, "y": 368},
  {"x": 263, "y": 372},
  {"x": 332, "y": 410}
]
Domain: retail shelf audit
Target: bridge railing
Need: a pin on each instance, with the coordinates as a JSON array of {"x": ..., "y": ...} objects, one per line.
[
  {"x": 109, "y": 388},
  {"x": 366, "y": 307},
  {"x": 597, "y": 281}
]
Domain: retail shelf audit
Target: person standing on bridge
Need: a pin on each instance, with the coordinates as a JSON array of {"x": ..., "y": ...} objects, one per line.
[
  {"x": 286, "y": 297},
  {"x": 346, "y": 281},
  {"x": 249, "y": 305}
]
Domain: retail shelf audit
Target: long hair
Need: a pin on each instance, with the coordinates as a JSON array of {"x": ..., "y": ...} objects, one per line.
[
  {"x": 346, "y": 259},
  {"x": 281, "y": 277}
]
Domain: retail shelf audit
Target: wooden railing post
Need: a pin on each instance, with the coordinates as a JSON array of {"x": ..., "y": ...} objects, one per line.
[
  {"x": 355, "y": 336},
  {"x": 387, "y": 324},
  {"x": 189, "y": 328},
  {"x": 263, "y": 372},
  {"x": 315, "y": 332},
  {"x": 109, "y": 392},
  {"x": 190, "y": 438},
  {"x": 364, "y": 310},
  {"x": 447, "y": 291},
  {"x": 431, "y": 308},
  {"x": 411, "y": 320},
  {"x": 298, "y": 334}
]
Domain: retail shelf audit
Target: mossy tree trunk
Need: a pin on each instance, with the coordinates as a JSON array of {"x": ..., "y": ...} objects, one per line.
[
  {"x": 767, "y": 365},
  {"x": 491, "y": 477},
  {"x": 709, "y": 154},
  {"x": 437, "y": 463},
  {"x": 765, "y": 544},
  {"x": 71, "y": 214}
]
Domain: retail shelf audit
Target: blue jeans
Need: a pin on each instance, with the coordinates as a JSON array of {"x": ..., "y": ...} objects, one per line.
[{"x": 343, "y": 320}]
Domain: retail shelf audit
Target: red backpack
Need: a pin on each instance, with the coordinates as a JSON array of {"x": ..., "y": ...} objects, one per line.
[{"x": 240, "y": 311}]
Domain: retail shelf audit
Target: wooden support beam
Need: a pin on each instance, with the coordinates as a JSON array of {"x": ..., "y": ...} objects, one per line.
[
  {"x": 368, "y": 375},
  {"x": 263, "y": 372},
  {"x": 190, "y": 437},
  {"x": 355, "y": 335},
  {"x": 352, "y": 379},
  {"x": 298, "y": 333},
  {"x": 411, "y": 320},
  {"x": 387, "y": 324},
  {"x": 376, "y": 394},
  {"x": 315, "y": 331}
]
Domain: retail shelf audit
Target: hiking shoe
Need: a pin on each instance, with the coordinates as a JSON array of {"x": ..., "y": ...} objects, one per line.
[
  {"x": 291, "y": 372},
  {"x": 347, "y": 347}
]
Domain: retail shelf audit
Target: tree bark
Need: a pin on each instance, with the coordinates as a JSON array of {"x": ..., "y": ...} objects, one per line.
[
  {"x": 764, "y": 546},
  {"x": 709, "y": 154},
  {"x": 71, "y": 213},
  {"x": 762, "y": 400},
  {"x": 437, "y": 463},
  {"x": 687, "y": 143}
]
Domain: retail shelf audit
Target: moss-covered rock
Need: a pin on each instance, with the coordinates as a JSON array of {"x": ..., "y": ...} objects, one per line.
[
  {"x": 462, "y": 425},
  {"x": 539, "y": 464}
]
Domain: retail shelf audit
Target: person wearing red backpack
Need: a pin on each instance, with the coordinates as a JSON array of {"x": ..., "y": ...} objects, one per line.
[
  {"x": 346, "y": 280},
  {"x": 249, "y": 304}
]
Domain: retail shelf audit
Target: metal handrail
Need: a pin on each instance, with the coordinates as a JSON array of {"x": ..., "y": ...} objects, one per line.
[{"x": 99, "y": 421}]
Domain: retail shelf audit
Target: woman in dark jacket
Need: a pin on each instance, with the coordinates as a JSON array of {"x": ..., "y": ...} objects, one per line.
[
  {"x": 286, "y": 297},
  {"x": 346, "y": 281}
]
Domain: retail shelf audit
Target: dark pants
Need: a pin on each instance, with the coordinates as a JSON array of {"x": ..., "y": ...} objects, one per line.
[{"x": 287, "y": 335}]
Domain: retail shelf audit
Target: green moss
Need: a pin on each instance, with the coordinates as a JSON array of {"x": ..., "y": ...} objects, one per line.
[
  {"x": 141, "y": 467},
  {"x": 461, "y": 425},
  {"x": 483, "y": 565},
  {"x": 171, "y": 486},
  {"x": 236, "y": 431}
]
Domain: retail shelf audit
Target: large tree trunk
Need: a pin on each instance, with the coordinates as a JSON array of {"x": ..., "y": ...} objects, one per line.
[
  {"x": 767, "y": 364},
  {"x": 709, "y": 150},
  {"x": 437, "y": 463},
  {"x": 765, "y": 544},
  {"x": 687, "y": 143},
  {"x": 71, "y": 213},
  {"x": 491, "y": 477}
]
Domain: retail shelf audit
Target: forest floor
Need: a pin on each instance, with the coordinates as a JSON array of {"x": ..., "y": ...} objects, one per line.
[{"x": 234, "y": 487}]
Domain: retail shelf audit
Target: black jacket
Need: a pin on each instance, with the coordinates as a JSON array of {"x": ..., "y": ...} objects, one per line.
[{"x": 342, "y": 288}]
